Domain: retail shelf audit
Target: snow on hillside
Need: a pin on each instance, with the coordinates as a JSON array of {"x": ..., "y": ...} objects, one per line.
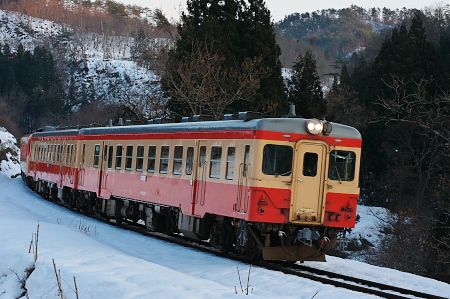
[
  {"x": 16, "y": 28},
  {"x": 109, "y": 262},
  {"x": 96, "y": 67},
  {"x": 9, "y": 154}
]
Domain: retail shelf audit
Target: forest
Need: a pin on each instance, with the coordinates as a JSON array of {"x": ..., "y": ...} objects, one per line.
[{"x": 385, "y": 72}]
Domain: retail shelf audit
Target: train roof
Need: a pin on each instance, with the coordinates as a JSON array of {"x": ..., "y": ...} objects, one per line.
[{"x": 285, "y": 125}]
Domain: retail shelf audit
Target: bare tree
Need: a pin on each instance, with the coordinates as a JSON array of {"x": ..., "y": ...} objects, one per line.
[
  {"x": 417, "y": 178},
  {"x": 204, "y": 83},
  {"x": 411, "y": 104}
]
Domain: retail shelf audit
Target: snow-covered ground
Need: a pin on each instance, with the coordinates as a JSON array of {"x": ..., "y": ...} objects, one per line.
[{"x": 109, "y": 262}]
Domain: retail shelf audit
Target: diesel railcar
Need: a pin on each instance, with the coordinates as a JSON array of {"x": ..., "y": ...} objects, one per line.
[{"x": 276, "y": 188}]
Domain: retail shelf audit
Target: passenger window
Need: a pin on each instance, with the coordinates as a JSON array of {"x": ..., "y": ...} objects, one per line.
[
  {"x": 59, "y": 153},
  {"x": 96, "y": 155},
  {"x": 216, "y": 161},
  {"x": 140, "y": 158},
  {"x": 151, "y": 158},
  {"x": 129, "y": 158},
  {"x": 164, "y": 161},
  {"x": 246, "y": 159},
  {"x": 230, "y": 162},
  {"x": 277, "y": 160},
  {"x": 310, "y": 161},
  {"x": 68, "y": 155},
  {"x": 342, "y": 165},
  {"x": 105, "y": 153},
  {"x": 72, "y": 155},
  {"x": 83, "y": 155},
  {"x": 110, "y": 156},
  {"x": 119, "y": 150},
  {"x": 51, "y": 153},
  {"x": 177, "y": 160},
  {"x": 202, "y": 156},
  {"x": 189, "y": 160}
]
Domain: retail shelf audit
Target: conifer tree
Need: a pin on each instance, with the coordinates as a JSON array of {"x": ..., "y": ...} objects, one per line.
[
  {"x": 238, "y": 32},
  {"x": 305, "y": 90}
]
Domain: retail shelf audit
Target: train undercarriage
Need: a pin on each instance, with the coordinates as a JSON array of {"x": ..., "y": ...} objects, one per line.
[{"x": 254, "y": 240}]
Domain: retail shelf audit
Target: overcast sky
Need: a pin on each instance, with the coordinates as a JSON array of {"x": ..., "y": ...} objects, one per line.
[{"x": 281, "y": 8}]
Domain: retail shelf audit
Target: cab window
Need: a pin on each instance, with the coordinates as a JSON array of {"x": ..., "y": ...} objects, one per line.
[
  {"x": 310, "y": 164},
  {"x": 342, "y": 165},
  {"x": 277, "y": 160}
]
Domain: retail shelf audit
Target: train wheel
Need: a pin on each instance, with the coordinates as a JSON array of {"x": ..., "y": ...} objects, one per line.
[{"x": 251, "y": 250}]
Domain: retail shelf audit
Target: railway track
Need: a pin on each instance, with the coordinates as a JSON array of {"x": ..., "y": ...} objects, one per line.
[
  {"x": 322, "y": 276},
  {"x": 326, "y": 277}
]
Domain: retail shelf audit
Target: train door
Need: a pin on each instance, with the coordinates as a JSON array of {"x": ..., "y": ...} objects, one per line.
[
  {"x": 199, "y": 177},
  {"x": 102, "y": 173},
  {"x": 307, "y": 203},
  {"x": 243, "y": 189}
]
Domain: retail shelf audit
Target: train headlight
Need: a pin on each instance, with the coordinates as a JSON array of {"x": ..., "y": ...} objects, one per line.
[{"x": 314, "y": 126}]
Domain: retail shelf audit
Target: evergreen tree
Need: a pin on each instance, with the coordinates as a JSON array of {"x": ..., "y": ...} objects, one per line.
[
  {"x": 238, "y": 32},
  {"x": 305, "y": 90},
  {"x": 407, "y": 55},
  {"x": 258, "y": 40}
]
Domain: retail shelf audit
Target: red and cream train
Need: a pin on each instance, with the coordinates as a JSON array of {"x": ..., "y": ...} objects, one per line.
[{"x": 281, "y": 187}]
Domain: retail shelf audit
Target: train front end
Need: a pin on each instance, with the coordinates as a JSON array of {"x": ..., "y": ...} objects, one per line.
[{"x": 319, "y": 164}]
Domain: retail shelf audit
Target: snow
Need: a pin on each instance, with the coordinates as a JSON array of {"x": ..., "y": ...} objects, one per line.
[
  {"x": 97, "y": 67},
  {"x": 109, "y": 262},
  {"x": 18, "y": 28},
  {"x": 10, "y": 166}
]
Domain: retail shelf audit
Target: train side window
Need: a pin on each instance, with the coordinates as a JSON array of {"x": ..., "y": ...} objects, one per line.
[
  {"x": 189, "y": 160},
  {"x": 230, "y": 162},
  {"x": 202, "y": 156},
  {"x": 216, "y": 162},
  {"x": 57, "y": 153},
  {"x": 151, "y": 158},
  {"x": 73, "y": 153},
  {"x": 246, "y": 159},
  {"x": 52, "y": 152},
  {"x": 310, "y": 161},
  {"x": 83, "y": 154},
  {"x": 277, "y": 160},
  {"x": 68, "y": 155},
  {"x": 342, "y": 165},
  {"x": 105, "y": 153},
  {"x": 110, "y": 156},
  {"x": 96, "y": 155},
  {"x": 48, "y": 153},
  {"x": 164, "y": 160},
  {"x": 129, "y": 158},
  {"x": 177, "y": 159},
  {"x": 119, "y": 150},
  {"x": 140, "y": 158}
]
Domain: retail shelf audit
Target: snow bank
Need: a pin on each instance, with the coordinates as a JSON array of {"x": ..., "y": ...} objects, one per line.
[{"x": 9, "y": 154}]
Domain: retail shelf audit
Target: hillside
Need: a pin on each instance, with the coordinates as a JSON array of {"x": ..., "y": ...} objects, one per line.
[{"x": 91, "y": 71}]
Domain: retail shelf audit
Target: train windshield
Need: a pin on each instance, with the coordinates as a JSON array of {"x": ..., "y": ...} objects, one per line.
[
  {"x": 277, "y": 160},
  {"x": 342, "y": 165}
]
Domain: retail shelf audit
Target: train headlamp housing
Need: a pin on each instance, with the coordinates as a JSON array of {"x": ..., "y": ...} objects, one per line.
[{"x": 314, "y": 126}]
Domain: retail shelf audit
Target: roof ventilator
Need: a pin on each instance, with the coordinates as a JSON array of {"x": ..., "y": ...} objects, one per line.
[
  {"x": 249, "y": 115},
  {"x": 231, "y": 117},
  {"x": 196, "y": 118},
  {"x": 160, "y": 120}
]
